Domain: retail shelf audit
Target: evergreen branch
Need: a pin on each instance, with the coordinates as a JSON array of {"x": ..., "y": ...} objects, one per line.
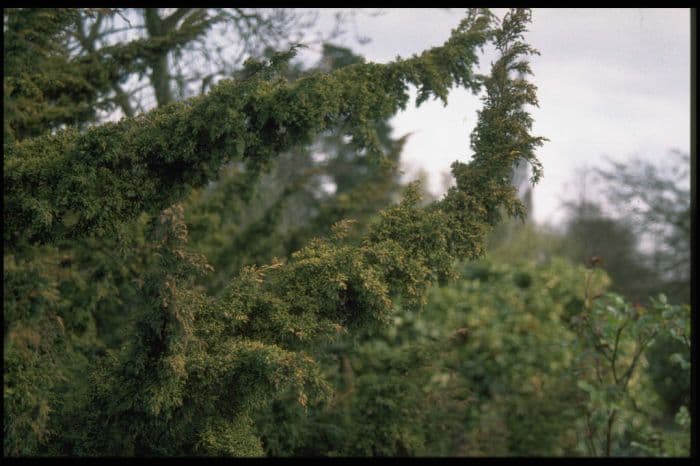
[{"x": 113, "y": 172}]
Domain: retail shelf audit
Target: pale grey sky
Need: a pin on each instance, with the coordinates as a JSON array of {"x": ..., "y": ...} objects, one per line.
[{"x": 612, "y": 83}]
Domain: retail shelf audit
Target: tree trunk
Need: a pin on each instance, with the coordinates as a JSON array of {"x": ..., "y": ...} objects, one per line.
[{"x": 160, "y": 78}]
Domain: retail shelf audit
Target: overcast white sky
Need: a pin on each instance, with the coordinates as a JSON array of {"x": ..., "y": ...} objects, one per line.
[{"x": 612, "y": 83}]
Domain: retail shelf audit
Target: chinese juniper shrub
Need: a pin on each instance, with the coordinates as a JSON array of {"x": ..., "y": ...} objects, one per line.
[{"x": 195, "y": 369}]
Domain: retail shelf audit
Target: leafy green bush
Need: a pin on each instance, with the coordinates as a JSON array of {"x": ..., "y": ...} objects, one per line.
[{"x": 526, "y": 360}]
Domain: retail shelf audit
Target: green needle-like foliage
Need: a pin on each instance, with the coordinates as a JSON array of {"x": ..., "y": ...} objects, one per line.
[
  {"x": 149, "y": 162},
  {"x": 195, "y": 369}
]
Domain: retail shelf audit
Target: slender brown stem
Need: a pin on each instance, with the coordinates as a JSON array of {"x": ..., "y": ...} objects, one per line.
[
  {"x": 614, "y": 355},
  {"x": 608, "y": 437},
  {"x": 635, "y": 360},
  {"x": 589, "y": 435}
]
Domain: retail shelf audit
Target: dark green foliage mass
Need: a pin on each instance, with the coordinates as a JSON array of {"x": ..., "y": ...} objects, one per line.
[
  {"x": 42, "y": 88},
  {"x": 192, "y": 370},
  {"x": 232, "y": 275}
]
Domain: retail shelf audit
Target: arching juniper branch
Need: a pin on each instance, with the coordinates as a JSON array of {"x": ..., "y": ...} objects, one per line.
[
  {"x": 113, "y": 172},
  {"x": 195, "y": 367}
]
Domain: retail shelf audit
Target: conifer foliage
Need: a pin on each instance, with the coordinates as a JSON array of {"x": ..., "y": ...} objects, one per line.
[{"x": 194, "y": 369}]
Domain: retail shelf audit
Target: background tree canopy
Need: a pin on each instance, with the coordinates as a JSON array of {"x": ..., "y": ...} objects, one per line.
[{"x": 235, "y": 267}]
